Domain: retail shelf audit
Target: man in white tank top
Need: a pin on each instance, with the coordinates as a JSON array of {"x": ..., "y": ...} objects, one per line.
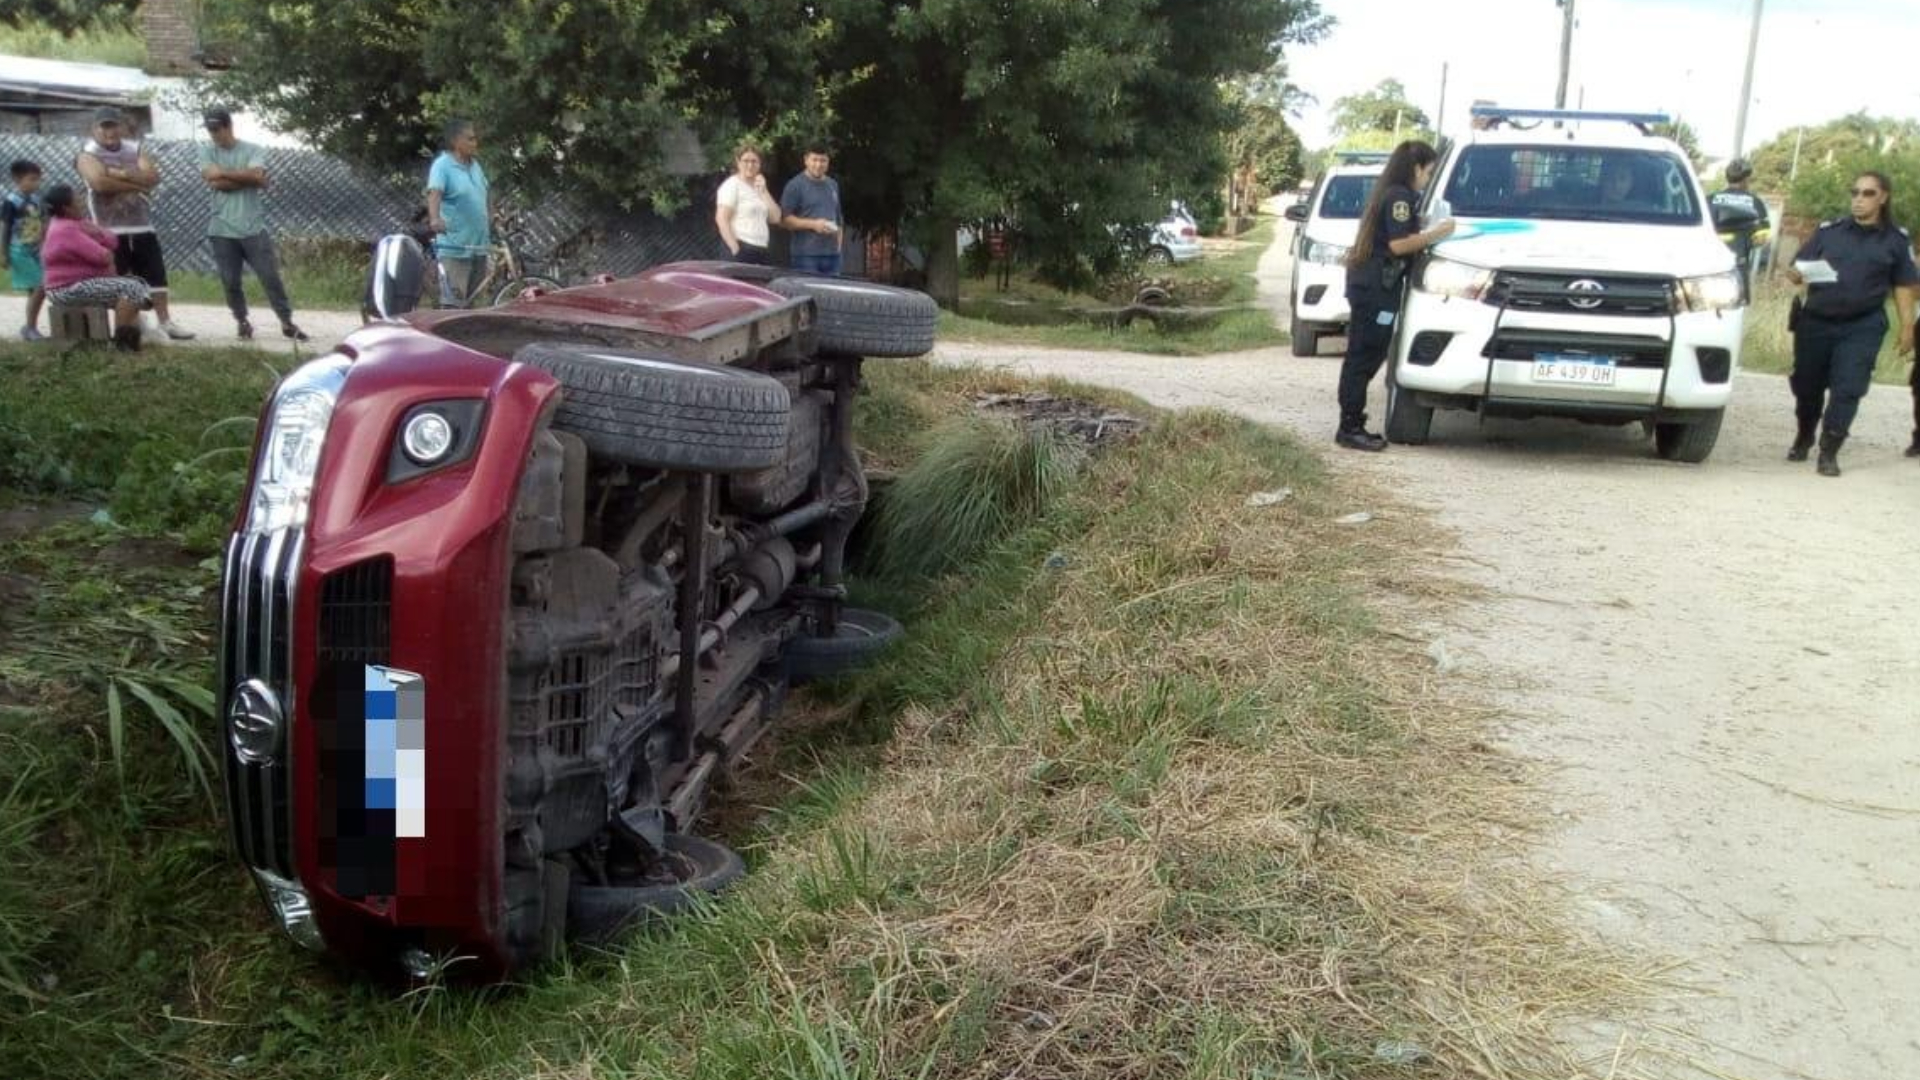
[{"x": 120, "y": 179}]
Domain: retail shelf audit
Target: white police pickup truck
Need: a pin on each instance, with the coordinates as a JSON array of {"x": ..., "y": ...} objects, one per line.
[
  {"x": 1328, "y": 219},
  {"x": 1585, "y": 278}
]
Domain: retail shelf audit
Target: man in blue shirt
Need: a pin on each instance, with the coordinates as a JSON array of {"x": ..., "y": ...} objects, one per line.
[
  {"x": 810, "y": 209},
  {"x": 459, "y": 211}
]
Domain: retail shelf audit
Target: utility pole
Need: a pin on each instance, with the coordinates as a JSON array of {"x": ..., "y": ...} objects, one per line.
[
  {"x": 1566, "y": 51},
  {"x": 1440, "y": 118},
  {"x": 1746, "y": 83}
]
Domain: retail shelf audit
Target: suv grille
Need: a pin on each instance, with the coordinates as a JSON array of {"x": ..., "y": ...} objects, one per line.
[
  {"x": 356, "y": 614},
  {"x": 256, "y": 615},
  {"x": 1564, "y": 293}
]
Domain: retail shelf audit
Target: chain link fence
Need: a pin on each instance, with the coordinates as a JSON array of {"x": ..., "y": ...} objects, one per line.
[{"x": 321, "y": 198}]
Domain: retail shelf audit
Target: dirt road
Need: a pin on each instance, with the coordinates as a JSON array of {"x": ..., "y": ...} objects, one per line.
[{"x": 1719, "y": 663}]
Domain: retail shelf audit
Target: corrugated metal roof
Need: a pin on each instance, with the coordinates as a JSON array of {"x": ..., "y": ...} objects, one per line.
[{"x": 73, "y": 80}]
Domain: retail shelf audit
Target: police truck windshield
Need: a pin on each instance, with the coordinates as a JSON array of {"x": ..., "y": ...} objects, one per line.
[
  {"x": 1346, "y": 197},
  {"x": 1573, "y": 183}
]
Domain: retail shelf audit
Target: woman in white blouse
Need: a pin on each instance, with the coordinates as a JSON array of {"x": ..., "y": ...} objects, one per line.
[{"x": 743, "y": 209}]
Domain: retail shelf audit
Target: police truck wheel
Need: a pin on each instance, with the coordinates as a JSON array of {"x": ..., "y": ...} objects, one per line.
[
  {"x": 1408, "y": 421},
  {"x": 657, "y": 413},
  {"x": 1691, "y": 441},
  {"x": 1306, "y": 340}
]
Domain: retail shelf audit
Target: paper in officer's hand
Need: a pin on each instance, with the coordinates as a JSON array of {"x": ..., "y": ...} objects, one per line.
[{"x": 1816, "y": 271}]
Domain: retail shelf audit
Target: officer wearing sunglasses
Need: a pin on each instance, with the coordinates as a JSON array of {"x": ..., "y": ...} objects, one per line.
[{"x": 1838, "y": 330}]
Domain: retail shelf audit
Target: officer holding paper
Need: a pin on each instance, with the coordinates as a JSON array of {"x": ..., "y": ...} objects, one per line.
[{"x": 1849, "y": 265}]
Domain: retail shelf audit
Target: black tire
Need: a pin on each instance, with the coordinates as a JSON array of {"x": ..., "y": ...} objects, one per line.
[
  {"x": 1305, "y": 339},
  {"x": 700, "y": 868},
  {"x": 1690, "y": 442},
  {"x": 1408, "y": 422},
  {"x": 513, "y": 288},
  {"x": 755, "y": 273},
  {"x": 859, "y": 319},
  {"x": 666, "y": 414},
  {"x": 860, "y": 636}
]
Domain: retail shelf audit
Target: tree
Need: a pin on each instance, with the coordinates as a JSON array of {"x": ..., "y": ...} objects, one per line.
[
  {"x": 1683, "y": 134},
  {"x": 1264, "y": 154},
  {"x": 1384, "y": 108},
  {"x": 1067, "y": 118},
  {"x": 1854, "y": 136},
  {"x": 68, "y": 16},
  {"x": 571, "y": 95}
]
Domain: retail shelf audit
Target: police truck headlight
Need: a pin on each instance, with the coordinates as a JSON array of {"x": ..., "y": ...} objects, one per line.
[
  {"x": 1325, "y": 254},
  {"x": 290, "y": 455},
  {"x": 1445, "y": 277},
  {"x": 1715, "y": 292}
]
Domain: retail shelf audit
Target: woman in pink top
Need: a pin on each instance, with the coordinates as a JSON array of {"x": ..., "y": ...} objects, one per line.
[{"x": 78, "y": 258}]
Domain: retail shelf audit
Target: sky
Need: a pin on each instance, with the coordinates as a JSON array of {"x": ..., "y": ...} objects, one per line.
[{"x": 1817, "y": 60}]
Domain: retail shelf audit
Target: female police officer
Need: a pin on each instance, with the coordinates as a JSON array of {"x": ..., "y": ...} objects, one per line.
[
  {"x": 1388, "y": 235},
  {"x": 1840, "y": 327}
]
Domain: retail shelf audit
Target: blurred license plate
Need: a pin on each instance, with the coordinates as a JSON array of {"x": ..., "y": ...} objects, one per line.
[{"x": 1578, "y": 370}]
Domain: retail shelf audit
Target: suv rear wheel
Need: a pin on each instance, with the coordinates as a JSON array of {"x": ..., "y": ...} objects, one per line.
[{"x": 1690, "y": 441}]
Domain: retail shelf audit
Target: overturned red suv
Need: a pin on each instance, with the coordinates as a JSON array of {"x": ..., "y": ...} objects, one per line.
[{"x": 510, "y": 587}]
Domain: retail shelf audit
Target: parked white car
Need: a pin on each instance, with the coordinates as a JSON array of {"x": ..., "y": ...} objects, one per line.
[
  {"x": 1328, "y": 219},
  {"x": 1175, "y": 238},
  {"x": 1584, "y": 279}
]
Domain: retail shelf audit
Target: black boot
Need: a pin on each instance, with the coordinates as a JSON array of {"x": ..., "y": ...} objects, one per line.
[
  {"x": 127, "y": 339},
  {"x": 1829, "y": 463},
  {"x": 1913, "y": 448},
  {"x": 1802, "y": 442},
  {"x": 1353, "y": 435}
]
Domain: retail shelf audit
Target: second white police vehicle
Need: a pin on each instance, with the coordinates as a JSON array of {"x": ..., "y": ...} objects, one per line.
[
  {"x": 1329, "y": 220},
  {"x": 1585, "y": 279}
]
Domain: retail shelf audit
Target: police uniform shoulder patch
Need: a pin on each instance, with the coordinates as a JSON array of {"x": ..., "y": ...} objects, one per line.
[
  {"x": 1902, "y": 230},
  {"x": 1835, "y": 221},
  {"x": 1402, "y": 210}
]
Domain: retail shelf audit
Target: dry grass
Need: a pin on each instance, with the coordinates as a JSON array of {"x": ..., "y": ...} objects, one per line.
[{"x": 1204, "y": 823}]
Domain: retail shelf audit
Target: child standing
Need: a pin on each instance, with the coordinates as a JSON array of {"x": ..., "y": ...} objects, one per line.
[{"x": 23, "y": 225}]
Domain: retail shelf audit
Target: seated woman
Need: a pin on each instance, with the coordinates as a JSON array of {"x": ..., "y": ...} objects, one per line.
[{"x": 78, "y": 258}]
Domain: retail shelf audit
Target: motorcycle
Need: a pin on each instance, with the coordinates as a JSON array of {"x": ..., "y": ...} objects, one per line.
[{"x": 510, "y": 588}]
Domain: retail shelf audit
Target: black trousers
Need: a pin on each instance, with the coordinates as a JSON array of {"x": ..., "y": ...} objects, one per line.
[
  {"x": 1833, "y": 368},
  {"x": 1367, "y": 344}
]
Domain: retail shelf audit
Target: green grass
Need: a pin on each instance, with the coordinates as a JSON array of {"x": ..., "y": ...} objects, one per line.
[
  {"x": 1141, "y": 794},
  {"x": 1769, "y": 347},
  {"x": 319, "y": 284},
  {"x": 1040, "y": 315},
  {"x": 122, "y": 46}
]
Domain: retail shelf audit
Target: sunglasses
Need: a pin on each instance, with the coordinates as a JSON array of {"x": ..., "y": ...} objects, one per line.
[{"x": 1866, "y": 193}]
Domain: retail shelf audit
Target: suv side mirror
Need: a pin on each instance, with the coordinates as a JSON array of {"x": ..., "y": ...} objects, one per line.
[
  {"x": 1296, "y": 212},
  {"x": 1732, "y": 216}
]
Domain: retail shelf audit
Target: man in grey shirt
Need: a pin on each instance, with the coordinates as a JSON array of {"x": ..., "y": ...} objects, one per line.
[
  {"x": 237, "y": 173},
  {"x": 810, "y": 209}
]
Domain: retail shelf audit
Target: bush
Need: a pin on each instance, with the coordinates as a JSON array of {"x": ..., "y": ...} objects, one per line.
[
  {"x": 1821, "y": 191},
  {"x": 978, "y": 480}
]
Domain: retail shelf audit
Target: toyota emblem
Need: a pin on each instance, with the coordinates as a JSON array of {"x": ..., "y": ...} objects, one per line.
[
  {"x": 1585, "y": 294},
  {"x": 254, "y": 720}
]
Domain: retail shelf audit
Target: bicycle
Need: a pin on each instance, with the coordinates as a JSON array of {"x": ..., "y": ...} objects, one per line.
[{"x": 506, "y": 277}]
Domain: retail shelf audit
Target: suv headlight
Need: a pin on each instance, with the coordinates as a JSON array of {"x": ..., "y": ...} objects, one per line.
[
  {"x": 290, "y": 456},
  {"x": 1445, "y": 277},
  {"x": 1325, "y": 254},
  {"x": 1715, "y": 292}
]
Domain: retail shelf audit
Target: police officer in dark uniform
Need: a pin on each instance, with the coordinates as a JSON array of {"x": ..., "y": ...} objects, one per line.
[
  {"x": 1376, "y": 265},
  {"x": 1839, "y": 329},
  {"x": 1737, "y": 198}
]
